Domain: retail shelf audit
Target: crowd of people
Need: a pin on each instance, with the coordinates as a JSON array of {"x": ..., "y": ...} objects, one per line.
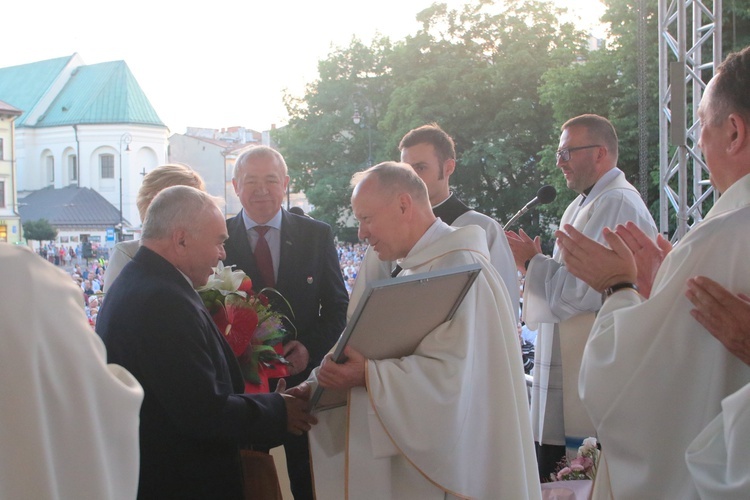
[{"x": 642, "y": 345}]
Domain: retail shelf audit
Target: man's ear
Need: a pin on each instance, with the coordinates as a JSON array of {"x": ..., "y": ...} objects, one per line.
[
  {"x": 179, "y": 240},
  {"x": 738, "y": 134},
  {"x": 449, "y": 166},
  {"x": 405, "y": 202}
]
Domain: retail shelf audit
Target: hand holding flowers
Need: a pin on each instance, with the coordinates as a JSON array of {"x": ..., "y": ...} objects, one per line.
[{"x": 253, "y": 330}]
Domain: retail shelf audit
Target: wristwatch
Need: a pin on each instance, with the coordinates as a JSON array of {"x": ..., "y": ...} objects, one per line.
[{"x": 620, "y": 286}]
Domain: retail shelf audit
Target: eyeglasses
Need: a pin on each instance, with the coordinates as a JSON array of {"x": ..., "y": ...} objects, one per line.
[{"x": 564, "y": 153}]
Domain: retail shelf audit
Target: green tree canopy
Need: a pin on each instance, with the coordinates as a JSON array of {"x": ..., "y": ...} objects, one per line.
[
  {"x": 39, "y": 230},
  {"x": 500, "y": 77}
]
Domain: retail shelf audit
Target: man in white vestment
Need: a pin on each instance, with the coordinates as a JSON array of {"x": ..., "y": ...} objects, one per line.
[
  {"x": 450, "y": 420},
  {"x": 431, "y": 152},
  {"x": 68, "y": 420},
  {"x": 561, "y": 306},
  {"x": 718, "y": 457},
  {"x": 651, "y": 377}
]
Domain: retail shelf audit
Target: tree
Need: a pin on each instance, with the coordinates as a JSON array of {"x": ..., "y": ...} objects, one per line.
[
  {"x": 605, "y": 82},
  {"x": 322, "y": 145},
  {"x": 475, "y": 71},
  {"x": 39, "y": 230}
]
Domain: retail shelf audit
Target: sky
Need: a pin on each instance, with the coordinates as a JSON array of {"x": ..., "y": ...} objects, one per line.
[{"x": 214, "y": 64}]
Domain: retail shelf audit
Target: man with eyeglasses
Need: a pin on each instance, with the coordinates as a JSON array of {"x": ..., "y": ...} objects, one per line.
[{"x": 563, "y": 306}]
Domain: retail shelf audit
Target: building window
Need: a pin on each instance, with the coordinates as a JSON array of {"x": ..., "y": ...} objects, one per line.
[
  {"x": 50, "y": 169},
  {"x": 73, "y": 168},
  {"x": 107, "y": 166},
  {"x": 2, "y": 156},
  {"x": 2, "y": 194}
]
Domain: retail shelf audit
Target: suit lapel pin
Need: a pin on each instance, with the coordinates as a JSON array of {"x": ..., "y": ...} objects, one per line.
[{"x": 309, "y": 280}]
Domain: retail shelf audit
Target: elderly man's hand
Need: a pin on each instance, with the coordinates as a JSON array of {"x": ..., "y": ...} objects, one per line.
[
  {"x": 600, "y": 267},
  {"x": 298, "y": 418},
  {"x": 725, "y": 315},
  {"x": 302, "y": 391},
  {"x": 342, "y": 376},
  {"x": 297, "y": 356},
  {"x": 523, "y": 248},
  {"x": 648, "y": 254}
]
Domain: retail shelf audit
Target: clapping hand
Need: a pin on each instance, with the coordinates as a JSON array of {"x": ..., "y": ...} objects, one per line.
[
  {"x": 648, "y": 254},
  {"x": 600, "y": 267}
]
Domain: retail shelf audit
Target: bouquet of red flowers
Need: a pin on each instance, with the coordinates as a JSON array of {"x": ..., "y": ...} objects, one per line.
[{"x": 254, "y": 331}]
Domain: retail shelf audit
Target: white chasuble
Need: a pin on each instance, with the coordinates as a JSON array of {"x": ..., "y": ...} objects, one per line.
[
  {"x": 564, "y": 309},
  {"x": 652, "y": 377},
  {"x": 449, "y": 421},
  {"x": 68, "y": 420}
]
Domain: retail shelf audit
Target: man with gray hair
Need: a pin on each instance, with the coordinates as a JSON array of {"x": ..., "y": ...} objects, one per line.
[
  {"x": 297, "y": 256},
  {"x": 451, "y": 420},
  {"x": 194, "y": 416}
]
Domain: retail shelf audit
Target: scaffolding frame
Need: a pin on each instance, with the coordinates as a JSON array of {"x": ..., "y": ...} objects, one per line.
[{"x": 683, "y": 176}]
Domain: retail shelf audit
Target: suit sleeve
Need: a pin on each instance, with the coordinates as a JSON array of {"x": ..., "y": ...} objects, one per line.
[
  {"x": 334, "y": 300},
  {"x": 181, "y": 363}
]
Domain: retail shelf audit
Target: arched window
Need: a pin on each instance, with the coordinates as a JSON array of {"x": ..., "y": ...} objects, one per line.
[
  {"x": 73, "y": 168},
  {"x": 107, "y": 166},
  {"x": 50, "y": 161}
]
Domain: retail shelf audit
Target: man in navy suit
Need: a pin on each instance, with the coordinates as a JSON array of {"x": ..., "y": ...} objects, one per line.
[
  {"x": 194, "y": 416},
  {"x": 305, "y": 270}
]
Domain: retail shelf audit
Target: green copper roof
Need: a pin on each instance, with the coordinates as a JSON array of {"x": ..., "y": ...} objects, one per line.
[
  {"x": 22, "y": 86},
  {"x": 95, "y": 94}
]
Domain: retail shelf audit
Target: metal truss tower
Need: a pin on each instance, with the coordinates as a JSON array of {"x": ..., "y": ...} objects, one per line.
[{"x": 683, "y": 69}]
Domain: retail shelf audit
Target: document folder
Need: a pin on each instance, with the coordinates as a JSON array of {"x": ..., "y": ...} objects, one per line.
[{"x": 395, "y": 314}]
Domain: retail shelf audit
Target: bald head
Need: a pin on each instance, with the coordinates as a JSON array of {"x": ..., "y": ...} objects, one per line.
[
  {"x": 185, "y": 226},
  {"x": 391, "y": 204}
]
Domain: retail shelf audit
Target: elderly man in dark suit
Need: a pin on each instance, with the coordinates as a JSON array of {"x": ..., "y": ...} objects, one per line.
[
  {"x": 194, "y": 416},
  {"x": 297, "y": 256}
]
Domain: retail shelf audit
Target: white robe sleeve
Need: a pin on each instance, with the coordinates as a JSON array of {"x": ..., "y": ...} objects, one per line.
[
  {"x": 552, "y": 294},
  {"x": 719, "y": 457}
]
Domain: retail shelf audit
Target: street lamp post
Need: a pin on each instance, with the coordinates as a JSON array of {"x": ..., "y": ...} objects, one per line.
[{"x": 125, "y": 138}]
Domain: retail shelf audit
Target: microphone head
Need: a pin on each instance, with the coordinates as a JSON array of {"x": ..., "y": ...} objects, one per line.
[{"x": 546, "y": 194}]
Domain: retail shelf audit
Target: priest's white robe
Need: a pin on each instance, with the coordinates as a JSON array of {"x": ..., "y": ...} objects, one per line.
[
  {"x": 68, "y": 421},
  {"x": 652, "y": 377},
  {"x": 451, "y": 420},
  {"x": 563, "y": 309},
  {"x": 371, "y": 268},
  {"x": 718, "y": 458}
]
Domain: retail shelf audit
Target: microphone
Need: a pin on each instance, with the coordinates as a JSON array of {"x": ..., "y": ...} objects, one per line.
[{"x": 545, "y": 195}]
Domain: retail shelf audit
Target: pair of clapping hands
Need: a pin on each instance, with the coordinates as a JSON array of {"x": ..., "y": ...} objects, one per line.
[{"x": 633, "y": 257}]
